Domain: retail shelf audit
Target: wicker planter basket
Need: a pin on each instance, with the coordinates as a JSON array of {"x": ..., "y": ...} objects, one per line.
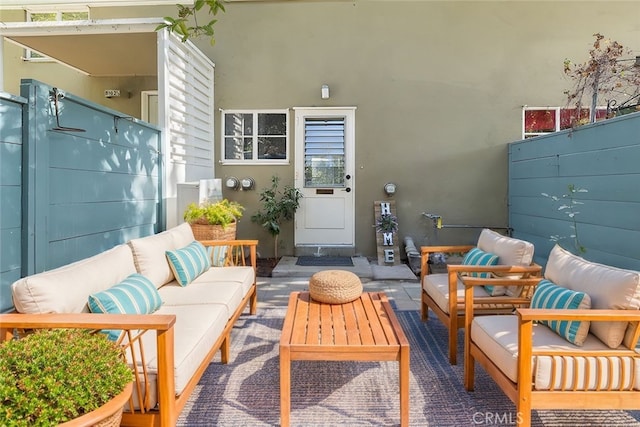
[
  {"x": 335, "y": 286},
  {"x": 108, "y": 415},
  {"x": 214, "y": 232}
]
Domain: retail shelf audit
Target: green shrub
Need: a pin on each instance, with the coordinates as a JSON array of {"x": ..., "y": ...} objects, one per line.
[
  {"x": 54, "y": 376},
  {"x": 221, "y": 213}
]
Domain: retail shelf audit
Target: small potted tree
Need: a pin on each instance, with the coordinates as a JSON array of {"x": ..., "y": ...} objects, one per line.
[
  {"x": 62, "y": 376},
  {"x": 214, "y": 221},
  {"x": 277, "y": 206}
]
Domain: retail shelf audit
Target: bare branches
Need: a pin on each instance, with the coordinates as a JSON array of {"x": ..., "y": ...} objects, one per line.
[{"x": 605, "y": 74}]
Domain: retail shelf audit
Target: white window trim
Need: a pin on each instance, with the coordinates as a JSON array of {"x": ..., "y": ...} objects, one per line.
[
  {"x": 285, "y": 161},
  {"x": 556, "y": 111}
]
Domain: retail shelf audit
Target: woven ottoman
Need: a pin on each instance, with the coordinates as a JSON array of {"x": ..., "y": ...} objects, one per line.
[{"x": 335, "y": 286}]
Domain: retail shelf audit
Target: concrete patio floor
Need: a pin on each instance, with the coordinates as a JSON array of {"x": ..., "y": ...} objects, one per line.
[{"x": 399, "y": 283}]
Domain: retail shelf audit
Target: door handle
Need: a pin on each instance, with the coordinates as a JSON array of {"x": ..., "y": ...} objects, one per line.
[{"x": 348, "y": 189}]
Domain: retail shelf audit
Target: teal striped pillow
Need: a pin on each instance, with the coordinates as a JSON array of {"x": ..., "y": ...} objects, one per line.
[
  {"x": 189, "y": 262},
  {"x": 134, "y": 295},
  {"x": 550, "y": 295},
  {"x": 479, "y": 257}
]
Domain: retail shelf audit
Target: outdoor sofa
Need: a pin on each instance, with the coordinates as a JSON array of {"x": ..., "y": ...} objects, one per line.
[
  {"x": 191, "y": 305},
  {"x": 575, "y": 347},
  {"x": 494, "y": 255}
]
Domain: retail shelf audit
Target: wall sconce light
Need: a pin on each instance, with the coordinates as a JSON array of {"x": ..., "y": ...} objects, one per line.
[
  {"x": 390, "y": 188},
  {"x": 247, "y": 183},
  {"x": 232, "y": 183},
  {"x": 325, "y": 91}
]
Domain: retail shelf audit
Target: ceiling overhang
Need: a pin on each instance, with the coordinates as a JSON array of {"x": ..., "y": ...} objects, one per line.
[{"x": 101, "y": 48}]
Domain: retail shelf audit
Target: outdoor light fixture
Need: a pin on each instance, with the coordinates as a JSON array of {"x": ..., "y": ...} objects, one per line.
[
  {"x": 232, "y": 183},
  {"x": 247, "y": 183},
  {"x": 325, "y": 91},
  {"x": 390, "y": 188}
]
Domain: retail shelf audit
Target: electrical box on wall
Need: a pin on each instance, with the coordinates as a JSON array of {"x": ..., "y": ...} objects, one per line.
[{"x": 112, "y": 93}]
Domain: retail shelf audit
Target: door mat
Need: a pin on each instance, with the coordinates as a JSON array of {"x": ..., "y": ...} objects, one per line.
[{"x": 324, "y": 261}]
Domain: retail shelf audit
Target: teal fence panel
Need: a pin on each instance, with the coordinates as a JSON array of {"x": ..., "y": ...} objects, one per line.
[
  {"x": 602, "y": 158},
  {"x": 89, "y": 188},
  {"x": 11, "y": 110}
]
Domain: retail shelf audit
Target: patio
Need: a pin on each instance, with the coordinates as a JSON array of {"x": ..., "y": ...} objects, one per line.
[{"x": 245, "y": 392}]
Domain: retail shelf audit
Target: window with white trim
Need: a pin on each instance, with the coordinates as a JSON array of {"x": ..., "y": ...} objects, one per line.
[
  {"x": 75, "y": 14},
  {"x": 255, "y": 136},
  {"x": 540, "y": 120}
]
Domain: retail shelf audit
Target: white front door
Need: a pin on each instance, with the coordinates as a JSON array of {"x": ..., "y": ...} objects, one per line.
[{"x": 324, "y": 173}]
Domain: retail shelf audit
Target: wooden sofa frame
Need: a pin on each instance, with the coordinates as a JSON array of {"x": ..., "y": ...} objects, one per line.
[
  {"x": 456, "y": 320},
  {"x": 522, "y": 392},
  {"x": 169, "y": 405}
]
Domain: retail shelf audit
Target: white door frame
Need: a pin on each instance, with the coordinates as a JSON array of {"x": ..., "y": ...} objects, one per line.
[{"x": 341, "y": 237}]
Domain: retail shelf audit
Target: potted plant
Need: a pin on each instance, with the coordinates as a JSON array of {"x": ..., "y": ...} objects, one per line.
[
  {"x": 214, "y": 221},
  {"x": 56, "y": 376},
  {"x": 277, "y": 206}
]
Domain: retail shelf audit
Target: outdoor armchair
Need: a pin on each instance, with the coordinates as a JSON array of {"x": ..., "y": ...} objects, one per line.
[{"x": 496, "y": 256}]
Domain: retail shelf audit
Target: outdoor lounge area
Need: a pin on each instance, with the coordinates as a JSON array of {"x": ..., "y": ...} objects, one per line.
[{"x": 328, "y": 213}]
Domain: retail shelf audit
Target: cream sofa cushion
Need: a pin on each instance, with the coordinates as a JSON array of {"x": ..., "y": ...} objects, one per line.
[
  {"x": 149, "y": 252},
  {"x": 196, "y": 329},
  {"x": 66, "y": 289},
  {"x": 609, "y": 288},
  {"x": 227, "y": 294},
  {"x": 497, "y": 337},
  {"x": 510, "y": 251}
]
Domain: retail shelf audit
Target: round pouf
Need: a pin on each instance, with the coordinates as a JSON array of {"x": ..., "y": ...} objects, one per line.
[{"x": 335, "y": 286}]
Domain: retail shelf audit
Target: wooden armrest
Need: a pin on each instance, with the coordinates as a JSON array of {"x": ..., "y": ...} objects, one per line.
[
  {"x": 236, "y": 256},
  {"x": 159, "y": 322},
  {"x": 499, "y": 269},
  {"x": 500, "y": 281},
  {"x": 593, "y": 315},
  {"x": 229, "y": 242},
  {"x": 426, "y": 250}
]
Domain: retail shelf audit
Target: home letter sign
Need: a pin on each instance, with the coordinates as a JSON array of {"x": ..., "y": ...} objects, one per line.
[{"x": 386, "y": 225}]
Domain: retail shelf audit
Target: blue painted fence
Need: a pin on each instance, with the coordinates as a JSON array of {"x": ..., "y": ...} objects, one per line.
[
  {"x": 81, "y": 192},
  {"x": 11, "y": 109},
  {"x": 604, "y": 159}
]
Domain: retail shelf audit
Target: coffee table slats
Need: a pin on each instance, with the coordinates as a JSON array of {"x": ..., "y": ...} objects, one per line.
[{"x": 363, "y": 330}]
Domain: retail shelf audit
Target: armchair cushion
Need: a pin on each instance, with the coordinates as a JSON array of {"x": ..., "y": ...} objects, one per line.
[
  {"x": 510, "y": 251},
  {"x": 550, "y": 295},
  {"x": 189, "y": 262},
  {"x": 608, "y": 287},
  {"x": 437, "y": 287},
  {"x": 497, "y": 337}
]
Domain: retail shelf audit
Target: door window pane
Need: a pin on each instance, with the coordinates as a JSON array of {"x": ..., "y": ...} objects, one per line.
[{"x": 324, "y": 152}]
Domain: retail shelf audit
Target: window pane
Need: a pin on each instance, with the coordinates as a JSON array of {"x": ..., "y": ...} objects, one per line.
[
  {"x": 568, "y": 117},
  {"x": 248, "y": 148},
  {"x": 238, "y": 124},
  {"x": 233, "y": 149},
  {"x": 75, "y": 16},
  {"x": 272, "y": 148},
  {"x": 324, "y": 152},
  {"x": 272, "y": 124},
  {"x": 540, "y": 121},
  {"x": 44, "y": 16}
]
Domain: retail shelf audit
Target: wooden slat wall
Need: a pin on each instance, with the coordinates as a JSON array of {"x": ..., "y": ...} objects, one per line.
[
  {"x": 603, "y": 158},
  {"x": 86, "y": 191},
  {"x": 11, "y": 109}
]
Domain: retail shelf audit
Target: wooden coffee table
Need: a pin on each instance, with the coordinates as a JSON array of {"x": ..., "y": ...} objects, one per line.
[{"x": 366, "y": 329}]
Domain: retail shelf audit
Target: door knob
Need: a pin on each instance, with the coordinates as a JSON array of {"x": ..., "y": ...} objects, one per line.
[{"x": 348, "y": 189}]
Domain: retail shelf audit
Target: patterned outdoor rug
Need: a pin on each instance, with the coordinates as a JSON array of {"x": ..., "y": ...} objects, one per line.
[{"x": 246, "y": 391}]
